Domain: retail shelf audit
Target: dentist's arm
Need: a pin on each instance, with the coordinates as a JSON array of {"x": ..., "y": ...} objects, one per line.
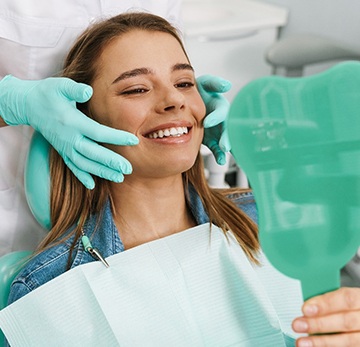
[
  {"x": 211, "y": 89},
  {"x": 49, "y": 106}
]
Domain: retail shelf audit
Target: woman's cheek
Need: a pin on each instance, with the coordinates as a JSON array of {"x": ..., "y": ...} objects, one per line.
[
  {"x": 199, "y": 108},
  {"x": 124, "y": 118}
]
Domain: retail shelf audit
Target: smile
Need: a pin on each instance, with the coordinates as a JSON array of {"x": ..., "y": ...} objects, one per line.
[{"x": 174, "y": 132}]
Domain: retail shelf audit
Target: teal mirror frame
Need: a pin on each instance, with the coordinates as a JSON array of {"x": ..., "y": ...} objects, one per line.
[{"x": 298, "y": 142}]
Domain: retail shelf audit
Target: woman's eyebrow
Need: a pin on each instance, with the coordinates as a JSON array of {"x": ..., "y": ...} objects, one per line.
[
  {"x": 132, "y": 73},
  {"x": 182, "y": 66},
  {"x": 146, "y": 71}
]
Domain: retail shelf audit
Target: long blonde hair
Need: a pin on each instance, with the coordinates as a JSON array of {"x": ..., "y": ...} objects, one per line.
[{"x": 71, "y": 203}]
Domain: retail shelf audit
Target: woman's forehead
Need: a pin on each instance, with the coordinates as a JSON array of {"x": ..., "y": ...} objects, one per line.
[{"x": 140, "y": 48}]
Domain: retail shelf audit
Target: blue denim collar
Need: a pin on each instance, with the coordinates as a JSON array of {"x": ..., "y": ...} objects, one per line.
[{"x": 103, "y": 234}]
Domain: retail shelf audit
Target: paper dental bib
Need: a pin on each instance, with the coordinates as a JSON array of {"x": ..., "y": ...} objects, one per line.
[{"x": 194, "y": 288}]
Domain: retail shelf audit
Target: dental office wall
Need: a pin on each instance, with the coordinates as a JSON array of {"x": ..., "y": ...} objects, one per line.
[{"x": 228, "y": 38}]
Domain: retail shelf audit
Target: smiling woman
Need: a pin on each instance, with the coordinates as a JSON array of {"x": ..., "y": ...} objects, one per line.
[
  {"x": 143, "y": 82},
  {"x": 183, "y": 257}
]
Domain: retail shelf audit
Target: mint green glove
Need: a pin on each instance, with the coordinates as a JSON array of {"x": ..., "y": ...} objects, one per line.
[
  {"x": 217, "y": 108},
  {"x": 49, "y": 106}
]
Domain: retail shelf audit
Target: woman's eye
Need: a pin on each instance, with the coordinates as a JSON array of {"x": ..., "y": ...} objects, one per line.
[
  {"x": 134, "y": 91},
  {"x": 184, "y": 85}
]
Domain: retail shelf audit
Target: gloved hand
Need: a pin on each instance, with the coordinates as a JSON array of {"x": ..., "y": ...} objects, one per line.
[
  {"x": 217, "y": 108},
  {"x": 49, "y": 106}
]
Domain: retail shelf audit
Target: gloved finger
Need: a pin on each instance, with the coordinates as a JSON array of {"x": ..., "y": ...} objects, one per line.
[
  {"x": 104, "y": 134},
  {"x": 81, "y": 167},
  {"x": 219, "y": 155},
  {"x": 101, "y": 155},
  {"x": 79, "y": 92},
  {"x": 214, "y": 84},
  {"x": 217, "y": 111},
  {"x": 224, "y": 142},
  {"x": 84, "y": 177}
]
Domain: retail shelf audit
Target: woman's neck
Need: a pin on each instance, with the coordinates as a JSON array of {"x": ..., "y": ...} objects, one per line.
[{"x": 150, "y": 209}]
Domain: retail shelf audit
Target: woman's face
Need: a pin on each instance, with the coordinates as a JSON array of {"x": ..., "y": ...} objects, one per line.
[{"x": 145, "y": 86}]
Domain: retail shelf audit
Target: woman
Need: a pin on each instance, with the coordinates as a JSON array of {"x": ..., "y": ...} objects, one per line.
[
  {"x": 34, "y": 40},
  {"x": 143, "y": 83}
]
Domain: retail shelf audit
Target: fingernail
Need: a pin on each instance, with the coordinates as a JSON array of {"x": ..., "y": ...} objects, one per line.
[
  {"x": 310, "y": 310},
  {"x": 301, "y": 326},
  {"x": 304, "y": 342}
]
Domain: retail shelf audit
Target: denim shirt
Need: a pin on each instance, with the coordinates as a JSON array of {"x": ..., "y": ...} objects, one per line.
[{"x": 54, "y": 261}]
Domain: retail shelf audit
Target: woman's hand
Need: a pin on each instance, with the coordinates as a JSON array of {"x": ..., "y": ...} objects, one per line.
[{"x": 331, "y": 319}]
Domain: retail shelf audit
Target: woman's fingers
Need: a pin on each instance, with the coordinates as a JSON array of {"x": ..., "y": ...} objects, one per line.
[
  {"x": 334, "y": 323},
  {"x": 343, "y": 299},
  {"x": 336, "y": 340},
  {"x": 331, "y": 319}
]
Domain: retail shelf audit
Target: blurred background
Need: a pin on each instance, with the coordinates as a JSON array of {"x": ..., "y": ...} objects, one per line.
[{"x": 241, "y": 40}]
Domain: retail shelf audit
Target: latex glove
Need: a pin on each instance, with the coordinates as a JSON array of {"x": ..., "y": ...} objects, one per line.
[
  {"x": 49, "y": 106},
  {"x": 333, "y": 312},
  {"x": 217, "y": 108}
]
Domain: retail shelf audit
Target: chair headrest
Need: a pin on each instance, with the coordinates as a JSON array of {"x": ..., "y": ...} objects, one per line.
[{"x": 37, "y": 180}]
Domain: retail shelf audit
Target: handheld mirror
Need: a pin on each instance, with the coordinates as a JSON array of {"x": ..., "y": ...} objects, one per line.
[{"x": 298, "y": 141}]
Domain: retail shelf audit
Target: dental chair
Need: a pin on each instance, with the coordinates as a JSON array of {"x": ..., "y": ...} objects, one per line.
[
  {"x": 38, "y": 196},
  {"x": 294, "y": 53},
  {"x": 10, "y": 265}
]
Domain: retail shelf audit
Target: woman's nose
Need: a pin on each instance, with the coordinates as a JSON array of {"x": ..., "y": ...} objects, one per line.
[{"x": 171, "y": 100}]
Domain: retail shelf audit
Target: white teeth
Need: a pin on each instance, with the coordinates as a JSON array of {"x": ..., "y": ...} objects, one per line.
[
  {"x": 178, "y": 131},
  {"x": 173, "y": 132}
]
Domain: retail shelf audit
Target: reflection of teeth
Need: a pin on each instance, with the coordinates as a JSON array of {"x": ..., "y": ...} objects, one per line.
[{"x": 168, "y": 132}]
